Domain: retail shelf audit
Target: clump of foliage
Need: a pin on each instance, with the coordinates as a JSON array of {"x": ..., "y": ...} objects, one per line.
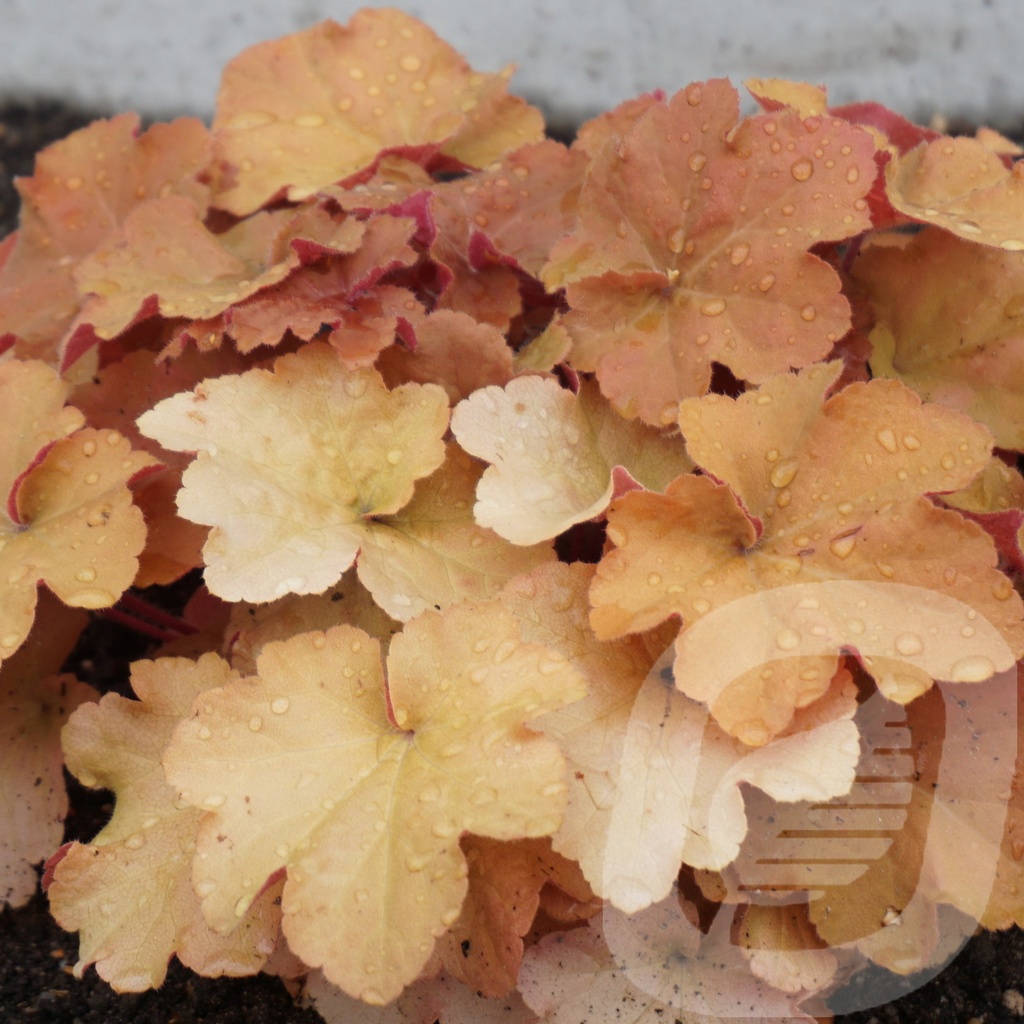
[{"x": 473, "y": 433}]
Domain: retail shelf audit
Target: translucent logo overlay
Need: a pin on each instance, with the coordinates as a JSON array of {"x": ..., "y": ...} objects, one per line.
[{"x": 912, "y": 797}]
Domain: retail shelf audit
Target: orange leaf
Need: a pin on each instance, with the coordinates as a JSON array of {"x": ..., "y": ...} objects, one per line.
[
  {"x": 949, "y": 325},
  {"x": 692, "y": 247},
  {"x": 365, "y": 814},
  {"x": 81, "y": 192},
  {"x": 292, "y": 463},
  {"x": 835, "y": 493},
  {"x": 165, "y": 260},
  {"x": 962, "y": 186},
  {"x": 306, "y": 111}
]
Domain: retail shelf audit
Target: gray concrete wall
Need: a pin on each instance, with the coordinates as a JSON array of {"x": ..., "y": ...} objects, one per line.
[{"x": 958, "y": 58}]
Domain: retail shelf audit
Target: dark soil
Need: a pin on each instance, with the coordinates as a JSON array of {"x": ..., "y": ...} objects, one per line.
[{"x": 984, "y": 985}]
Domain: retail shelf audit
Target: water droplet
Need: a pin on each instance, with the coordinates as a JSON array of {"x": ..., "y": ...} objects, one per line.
[
  {"x": 802, "y": 169},
  {"x": 213, "y": 801},
  {"x": 783, "y": 473},
  {"x": 204, "y": 732},
  {"x": 842, "y": 547},
  {"x": 136, "y": 841},
  {"x": 503, "y": 652},
  {"x": 911, "y": 442},
  {"x": 739, "y": 254},
  {"x": 677, "y": 240},
  {"x": 885, "y": 569},
  {"x": 622, "y": 229},
  {"x": 787, "y": 639},
  {"x": 654, "y": 579},
  {"x": 909, "y": 644},
  {"x": 417, "y": 862},
  {"x": 808, "y": 313},
  {"x": 242, "y": 906},
  {"x": 89, "y": 448},
  {"x": 85, "y": 575},
  {"x": 887, "y": 439},
  {"x": 713, "y": 307},
  {"x": 700, "y": 606},
  {"x": 310, "y": 120},
  {"x": 279, "y": 705},
  {"x": 452, "y": 750},
  {"x": 967, "y": 631},
  {"x": 410, "y": 62},
  {"x": 482, "y": 796},
  {"x": 1012, "y": 245},
  {"x": 974, "y": 669},
  {"x": 783, "y": 498},
  {"x": 551, "y": 663},
  {"x": 74, "y": 184},
  {"x": 694, "y": 95},
  {"x": 95, "y": 598},
  {"x": 754, "y": 733},
  {"x": 697, "y": 161}
]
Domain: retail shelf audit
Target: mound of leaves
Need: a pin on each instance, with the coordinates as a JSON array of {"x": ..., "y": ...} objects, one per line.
[{"x": 606, "y": 549}]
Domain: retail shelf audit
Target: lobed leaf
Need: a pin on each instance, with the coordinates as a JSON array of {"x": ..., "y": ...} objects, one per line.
[
  {"x": 949, "y": 324},
  {"x": 804, "y": 546},
  {"x": 370, "y": 789},
  {"x": 962, "y": 186},
  {"x": 308, "y": 110},
  {"x": 129, "y": 891},
  {"x": 83, "y": 189},
  {"x": 554, "y": 456},
  {"x": 292, "y": 463},
  {"x": 691, "y": 247}
]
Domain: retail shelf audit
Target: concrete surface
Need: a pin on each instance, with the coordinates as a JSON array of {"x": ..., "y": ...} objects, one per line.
[{"x": 959, "y": 58}]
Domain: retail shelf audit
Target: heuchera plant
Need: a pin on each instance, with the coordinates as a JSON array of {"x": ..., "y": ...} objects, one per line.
[{"x": 476, "y": 437}]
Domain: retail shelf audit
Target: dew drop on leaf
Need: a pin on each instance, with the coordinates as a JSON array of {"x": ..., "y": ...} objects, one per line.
[
  {"x": 974, "y": 669},
  {"x": 787, "y": 639},
  {"x": 783, "y": 473},
  {"x": 909, "y": 644},
  {"x": 842, "y": 547},
  {"x": 802, "y": 169},
  {"x": 887, "y": 439},
  {"x": 713, "y": 307}
]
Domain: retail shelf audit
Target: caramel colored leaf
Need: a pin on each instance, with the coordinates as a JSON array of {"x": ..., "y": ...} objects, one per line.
[
  {"x": 433, "y": 553},
  {"x": 452, "y": 350},
  {"x": 165, "y": 260},
  {"x": 365, "y": 814},
  {"x": 485, "y": 946},
  {"x": 291, "y": 464},
  {"x": 802, "y": 558},
  {"x": 35, "y": 703},
  {"x": 963, "y": 186},
  {"x": 129, "y": 891},
  {"x": 773, "y": 94},
  {"x": 691, "y": 247},
  {"x": 82, "y": 190},
  {"x": 308, "y": 110},
  {"x": 553, "y": 454},
  {"x": 75, "y": 529},
  {"x": 950, "y": 324}
]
